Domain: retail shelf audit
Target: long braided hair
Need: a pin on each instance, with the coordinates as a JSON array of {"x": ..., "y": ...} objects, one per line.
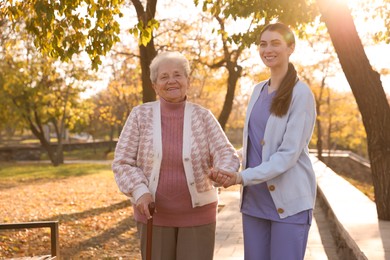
[{"x": 281, "y": 101}]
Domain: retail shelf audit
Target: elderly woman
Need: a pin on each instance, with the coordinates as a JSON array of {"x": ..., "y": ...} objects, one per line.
[{"x": 164, "y": 155}]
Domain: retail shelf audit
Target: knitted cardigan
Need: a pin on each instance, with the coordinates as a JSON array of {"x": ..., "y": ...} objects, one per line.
[{"x": 138, "y": 153}]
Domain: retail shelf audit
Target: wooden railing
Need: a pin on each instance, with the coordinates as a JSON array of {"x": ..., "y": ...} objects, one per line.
[{"x": 54, "y": 234}]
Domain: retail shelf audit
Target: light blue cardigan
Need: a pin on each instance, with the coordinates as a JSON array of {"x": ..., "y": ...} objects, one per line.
[{"x": 286, "y": 164}]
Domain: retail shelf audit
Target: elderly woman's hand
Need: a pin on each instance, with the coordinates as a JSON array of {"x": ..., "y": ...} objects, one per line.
[
  {"x": 224, "y": 178},
  {"x": 143, "y": 204}
]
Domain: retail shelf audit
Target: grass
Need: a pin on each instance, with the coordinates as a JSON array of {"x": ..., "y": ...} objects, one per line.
[
  {"x": 89, "y": 154},
  {"x": 367, "y": 189},
  {"x": 44, "y": 170},
  {"x": 34, "y": 171},
  {"x": 355, "y": 173}
]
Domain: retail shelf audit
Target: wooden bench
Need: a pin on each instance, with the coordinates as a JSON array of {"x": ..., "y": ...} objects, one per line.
[{"x": 54, "y": 234}]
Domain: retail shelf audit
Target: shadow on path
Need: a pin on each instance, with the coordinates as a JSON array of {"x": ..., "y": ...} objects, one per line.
[
  {"x": 99, "y": 240},
  {"x": 71, "y": 249},
  {"x": 325, "y": 230},
  {"x": 63, "y": 218}
]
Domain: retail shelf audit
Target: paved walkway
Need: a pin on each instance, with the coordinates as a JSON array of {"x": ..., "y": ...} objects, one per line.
[{"x": 229, "y": 240}]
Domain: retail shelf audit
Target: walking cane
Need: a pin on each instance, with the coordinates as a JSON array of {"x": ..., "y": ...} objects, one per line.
[{"x": 149, "y": 232}]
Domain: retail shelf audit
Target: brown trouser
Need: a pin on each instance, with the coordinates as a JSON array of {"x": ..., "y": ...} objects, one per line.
[{"x": 172, "y": 243}]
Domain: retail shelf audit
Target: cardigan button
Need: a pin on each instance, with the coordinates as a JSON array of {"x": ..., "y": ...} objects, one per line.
[
  {"x": 262, "y": 142},
  {"x": 271, "y": 187},
  {"x": 280, "y": 210},
  {"x": 186, "y": 159}
]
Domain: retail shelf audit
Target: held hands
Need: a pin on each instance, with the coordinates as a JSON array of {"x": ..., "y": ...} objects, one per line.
[
  {"x": 143, "y": 204},
  {"x": 224, "y": 178}
]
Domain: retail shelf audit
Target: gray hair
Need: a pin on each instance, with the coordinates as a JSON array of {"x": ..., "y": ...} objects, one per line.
[{"x": 168, "y": 56}]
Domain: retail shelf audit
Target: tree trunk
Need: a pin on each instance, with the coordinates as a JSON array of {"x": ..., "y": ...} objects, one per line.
[
  {"x": 110, "y": 145},
  {"x": 319, "y": 132},
  {"x": 319, "y": 103},
  {"x": 148, "y": 52},
  {"x": 234, "y": 75},
  {"x": 44, "y": 142},
  {"x": 60, "y": 130},
  {"x": 369, "y": 94},
  {"x": 329, "y": 139}
]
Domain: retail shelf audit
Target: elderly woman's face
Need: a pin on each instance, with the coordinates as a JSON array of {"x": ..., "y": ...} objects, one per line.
[{"x": 172, "y": 83}]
